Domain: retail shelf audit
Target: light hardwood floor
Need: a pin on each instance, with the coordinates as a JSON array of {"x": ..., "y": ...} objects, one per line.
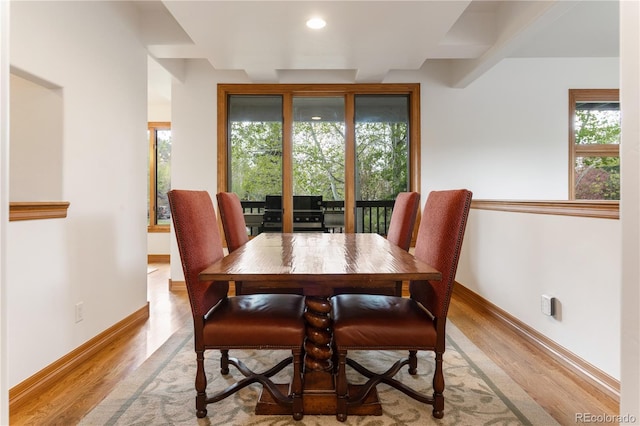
[{"x": 559, "y": 392}]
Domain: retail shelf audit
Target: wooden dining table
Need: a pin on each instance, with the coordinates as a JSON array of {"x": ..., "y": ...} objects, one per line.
[{"x": 318, "y": 263}]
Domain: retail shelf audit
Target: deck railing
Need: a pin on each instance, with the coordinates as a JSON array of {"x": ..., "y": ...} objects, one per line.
[{"x": 371, "y": 216}]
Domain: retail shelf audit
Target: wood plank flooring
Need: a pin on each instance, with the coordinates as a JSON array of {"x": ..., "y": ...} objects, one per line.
[{"x": 559, "y": 392}]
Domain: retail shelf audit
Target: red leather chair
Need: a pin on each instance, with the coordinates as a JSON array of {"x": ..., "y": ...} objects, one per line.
[
  {"x": 235, "y": 232},
  {"x": 374, "y": 322},
  {"x": 273, "y": 321},
  {"x": 403, "y": 220}
]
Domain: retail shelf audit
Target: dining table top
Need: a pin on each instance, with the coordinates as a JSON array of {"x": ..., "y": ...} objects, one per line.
[{"x": 324, "y": 259}]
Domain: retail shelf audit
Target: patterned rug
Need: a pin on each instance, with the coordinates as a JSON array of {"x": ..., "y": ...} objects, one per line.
[{"x": 161, "y": 391}]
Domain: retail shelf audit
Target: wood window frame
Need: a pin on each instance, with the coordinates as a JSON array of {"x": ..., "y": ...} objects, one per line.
[
  {"x": 349, "y": 91},
  {"x": 153, "y": 126},
  {"x": 608, "y": 150}
]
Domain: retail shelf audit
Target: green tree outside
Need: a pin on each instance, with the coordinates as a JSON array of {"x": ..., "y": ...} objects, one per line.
[
  {"x": 597, "y": 178},
  {"x": 318, "y": 159},
  {"x": 163, "y": 176}
]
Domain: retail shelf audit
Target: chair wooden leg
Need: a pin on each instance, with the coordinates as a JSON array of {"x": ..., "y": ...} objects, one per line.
[
  {"x": 224, "y": 362},
  {"x": 342, "y": 386},
  {"x": 413, "y": 362},
  {"x": 438, "y": 388},
  {"x": 334, "y": 359},
  {"x": 201, "y": 386},
  {"x": 297, "y": 385}
]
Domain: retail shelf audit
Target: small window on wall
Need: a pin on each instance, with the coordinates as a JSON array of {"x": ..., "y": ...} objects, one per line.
[
  {"x": 594, "y": 144},
  {"x": 159, "y": 174}
]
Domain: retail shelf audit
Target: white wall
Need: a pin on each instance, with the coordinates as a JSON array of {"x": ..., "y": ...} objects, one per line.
[
  {"x": 158, "y": 243},
  {"x": 159, "y": 111},
  {"x": 36, "y": 140},
  {"x": 97, "y": 255},
  {"x": 629, "y": 209},
  {"x": 504, "y": 137},
  {"x": 4, "y": 204},
  {"x": 512, "y": 259}
]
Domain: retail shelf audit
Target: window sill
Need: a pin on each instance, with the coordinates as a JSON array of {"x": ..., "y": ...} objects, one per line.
[
  {"x": 33, "y": 210},
  {"x": 580, "y": 208},
  {"x": 159, "y": 229}
]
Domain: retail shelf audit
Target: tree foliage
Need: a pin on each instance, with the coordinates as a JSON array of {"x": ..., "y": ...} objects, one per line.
[
  {"x": 256, "y": 159},
  {"x": 319, "y": 159},
  {"x": 381, "y": 158},
  {"x": 163, "y": 175},
  {"x": 597, "y": 177}
]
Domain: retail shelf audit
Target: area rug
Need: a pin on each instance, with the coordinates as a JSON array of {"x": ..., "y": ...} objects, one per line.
[{"x": 161, "y": 391}]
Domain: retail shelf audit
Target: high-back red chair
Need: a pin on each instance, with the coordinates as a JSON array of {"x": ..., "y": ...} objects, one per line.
[
  {"x": 235, "y": 232},
  {"x": 232, "y": 217},
  {"x": 273, "y": 321},
  {"x": 375, "y": 322},
  {"x": 403, "y": 220}
]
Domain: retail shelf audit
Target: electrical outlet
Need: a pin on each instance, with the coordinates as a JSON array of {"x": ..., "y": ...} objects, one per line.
[
  {"x": 79, "y": 311},
  {"x": 548, "y": 304}
]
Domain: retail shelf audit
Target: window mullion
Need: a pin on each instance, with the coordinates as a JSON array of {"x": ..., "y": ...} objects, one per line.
[
  {"x": 597, "y": 150},
  {"x": 287, "y": 162},
  {"x": 350, "y": 164}
]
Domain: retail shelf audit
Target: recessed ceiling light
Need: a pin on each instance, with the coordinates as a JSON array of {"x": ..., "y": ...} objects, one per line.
[
  {"x": 316, "y": 117},
  {"x": 316, "y": 23}
]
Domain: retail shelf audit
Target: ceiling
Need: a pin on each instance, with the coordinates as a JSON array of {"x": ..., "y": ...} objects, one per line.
[{"x": 364, "y": 40}]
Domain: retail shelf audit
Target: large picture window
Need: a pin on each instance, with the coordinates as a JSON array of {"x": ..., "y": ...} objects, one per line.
[
  {"x": 354, "y": 147},
  {"x": 594, "y": 144}
]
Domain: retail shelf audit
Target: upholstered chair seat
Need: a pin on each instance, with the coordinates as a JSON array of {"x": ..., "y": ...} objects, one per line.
[
  {"x": 370, "y": 321},
  {"x": 255, "y": 321},
  {"x": 379, "y": 322}
]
